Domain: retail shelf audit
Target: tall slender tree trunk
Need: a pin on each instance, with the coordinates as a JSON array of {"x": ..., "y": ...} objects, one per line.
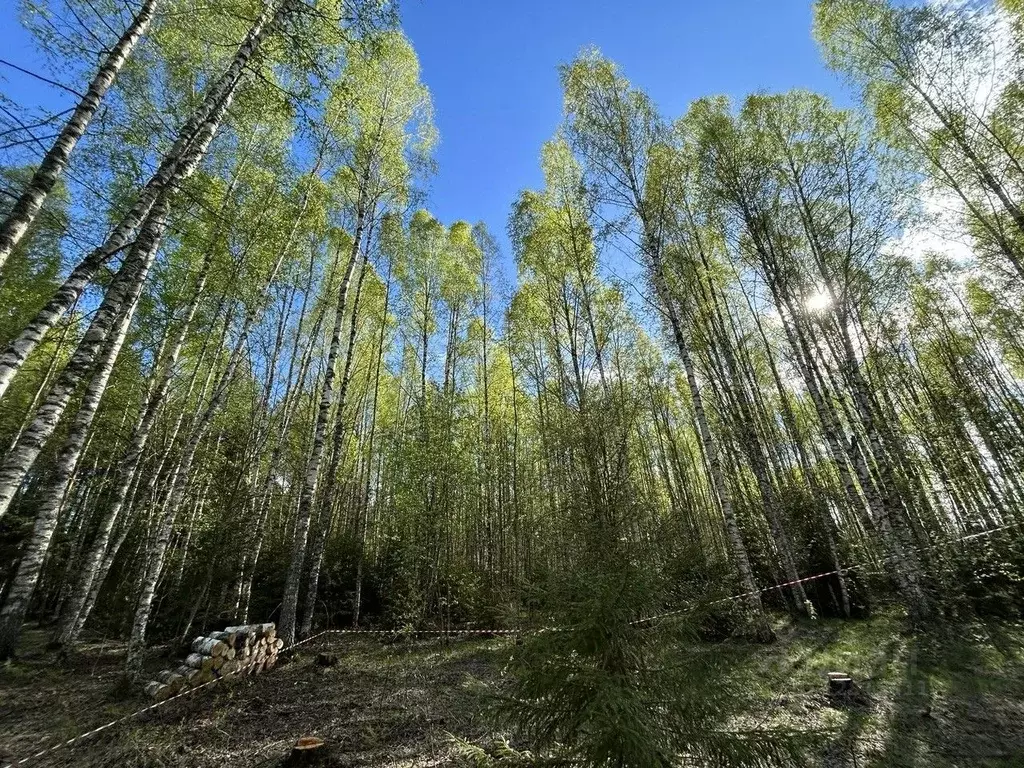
[
  {"x": 15, "y": 607},
  {"x": 737, "y": 400},
  {"x": 23, "y": 454},
  {"x": 160, "y": 539},
  {"x": 178, "y": 164},
  {"x": 56, "y": 159},
  {"x": 362, "y": 522},
  {"x": 289, "y": 408},
  {"x": 101, "y": 554},
  {"x": 290, "y": 603},
  {"x": 751, "y": 595},
  {"x": 128, "y": 466},
  {"x": 789, "y": 421},
  {"x": 338, "y": 450}
]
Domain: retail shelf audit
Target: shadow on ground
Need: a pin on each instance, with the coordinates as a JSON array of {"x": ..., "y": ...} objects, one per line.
[{"x": 947, "y": 698}]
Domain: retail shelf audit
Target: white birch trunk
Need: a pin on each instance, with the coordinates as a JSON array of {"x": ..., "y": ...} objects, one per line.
[
  {"x": 56, "y": 159},
  {"x": 290, "y": 603},
  {"x": 363, "y": 520},
  {"x": 178, "y": 164},
  {"x": 165, "y": 527},
  {"x": 161, "y": 538},
  {"x": 15, "y": 607},
  {"x": 125, "y": 498},
  {"x": 23, "y": 454},
  {"x": 69, "y": 624},
  {"x": 752, "y": 597},
  {"x": 327, "y": 514}
]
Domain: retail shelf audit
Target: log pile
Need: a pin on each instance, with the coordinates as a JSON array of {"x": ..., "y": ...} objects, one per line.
[{"x": 242, "y": 650}]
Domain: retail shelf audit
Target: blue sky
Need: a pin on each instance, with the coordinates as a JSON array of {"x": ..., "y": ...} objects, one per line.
[{"x": 492, "y": 69}]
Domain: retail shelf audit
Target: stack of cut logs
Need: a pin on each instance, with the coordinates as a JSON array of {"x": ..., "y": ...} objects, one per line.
[{"x": 243, "y": 650}]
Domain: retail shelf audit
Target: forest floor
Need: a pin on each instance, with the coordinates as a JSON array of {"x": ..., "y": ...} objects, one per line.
[{"x": 952, "y": 697}]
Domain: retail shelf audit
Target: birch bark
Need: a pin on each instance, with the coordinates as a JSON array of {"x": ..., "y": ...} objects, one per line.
[
  {"x": 178, "y": 164},
  {"x": 56, "y": 159},
  {"x": 289, "y": 605},
  {"x": 16, "y": 606}
]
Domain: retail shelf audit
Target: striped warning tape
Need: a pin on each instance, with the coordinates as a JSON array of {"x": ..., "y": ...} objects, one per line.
[
  {"x": 433, "y": 631},
  {"x": 151, "y": 707},
  {"x": 825, "y": 575},
  {"x": 442, "y": 632},
  {"x": 240, "y": 670}
]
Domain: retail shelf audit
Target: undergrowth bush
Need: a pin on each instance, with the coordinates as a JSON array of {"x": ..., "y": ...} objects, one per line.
[{"x": 605, "y": 691}]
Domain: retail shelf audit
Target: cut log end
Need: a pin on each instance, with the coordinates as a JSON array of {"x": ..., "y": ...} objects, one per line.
[
  {"x": 308, "y": 750},
  {"x": 844, "y": 692},
  {"x": 158, "y": 691},
  {"x": 241, "y": 650}
]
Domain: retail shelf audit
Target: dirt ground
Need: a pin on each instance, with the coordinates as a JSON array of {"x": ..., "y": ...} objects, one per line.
[
  {"x": 383, "y": 704},
  {"x": 952, "y": 698}
]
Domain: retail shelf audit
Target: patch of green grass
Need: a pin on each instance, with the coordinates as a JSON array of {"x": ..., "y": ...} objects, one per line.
[
  {"x": 944, "y": 696},
  {"x": 17, "y": 673}
]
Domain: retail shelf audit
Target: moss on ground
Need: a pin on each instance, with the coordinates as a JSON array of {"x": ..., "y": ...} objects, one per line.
[{"x": 950, "y": 696}]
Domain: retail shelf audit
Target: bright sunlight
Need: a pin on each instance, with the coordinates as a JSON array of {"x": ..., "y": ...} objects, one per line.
[{"x": 819, "y": 301}]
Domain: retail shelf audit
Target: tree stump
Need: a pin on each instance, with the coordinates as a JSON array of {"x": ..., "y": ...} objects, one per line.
[
  {"x": 844, "y": 692},
  {"x": 839, "y": 684},
  {"x": 308, "y": 750}
]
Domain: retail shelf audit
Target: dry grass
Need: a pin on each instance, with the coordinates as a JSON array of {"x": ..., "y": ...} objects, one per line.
[
  {"x": 950, "y": 698},
  {"x": 383, "y": 704}
]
